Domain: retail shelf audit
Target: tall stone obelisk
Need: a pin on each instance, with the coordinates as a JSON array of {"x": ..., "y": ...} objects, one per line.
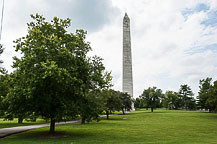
[{"x": 127, "y": 57}]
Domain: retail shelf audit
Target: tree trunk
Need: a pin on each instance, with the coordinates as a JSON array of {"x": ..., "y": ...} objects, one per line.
[
  {"x": 123, "y": 111},
  {"x": 152, "y": 109},
  {"x": 107, "y": 115},
  {"x": 83, "y": 120},
  {"x": 52, "y": 126},
  {"x": 20, "y": 120}
]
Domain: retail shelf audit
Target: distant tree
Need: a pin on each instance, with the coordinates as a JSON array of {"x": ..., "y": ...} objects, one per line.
[
  {"x": 152, "y": 97},
  {"x": 54, "y": 71},
  {"x": 211, "y": 102},
  {"x": 90, "y": 107},
  {"x": 203, "y": 95},
  {"x": 112, "y": 101},
  {"x": 137, "y": 103},
  {"x": 145, "y": 99},
  {"x": 171, "y": 100},
  {"x": 186, "y": 96},
  {"x": 126, "y": 101},
  {"x": 4, "y": 87},
  {"x": 1, "y": 51},
  {"x": 2, "y": 70},
  {"x": 91, "y": 103}
]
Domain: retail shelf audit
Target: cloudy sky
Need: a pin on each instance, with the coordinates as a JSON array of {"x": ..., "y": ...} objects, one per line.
[{"x": 174, "y": 42}]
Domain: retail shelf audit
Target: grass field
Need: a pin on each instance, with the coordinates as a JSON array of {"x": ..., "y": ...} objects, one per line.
[{"x": 160, "y": 127}]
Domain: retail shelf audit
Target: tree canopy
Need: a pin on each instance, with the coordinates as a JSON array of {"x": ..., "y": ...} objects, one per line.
[
  {"x": 54, "y": 72},
  {"x": 152, "y": 97}
]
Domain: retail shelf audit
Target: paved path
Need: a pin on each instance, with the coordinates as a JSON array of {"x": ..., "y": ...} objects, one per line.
[{"x": 13, "y": 130}]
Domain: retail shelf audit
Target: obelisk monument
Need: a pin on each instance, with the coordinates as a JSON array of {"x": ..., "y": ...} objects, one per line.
[{"x": 127, "y": 58}]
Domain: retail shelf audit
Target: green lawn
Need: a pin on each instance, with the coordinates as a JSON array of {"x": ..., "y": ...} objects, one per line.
[
  {"x": 162, "y": 126},
  {"x": 14, "y": 123}
]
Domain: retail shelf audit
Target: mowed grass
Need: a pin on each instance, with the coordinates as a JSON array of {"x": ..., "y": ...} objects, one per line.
[
  {"x": 14, "y": 123},
  {"x": 160, "y": 127}
]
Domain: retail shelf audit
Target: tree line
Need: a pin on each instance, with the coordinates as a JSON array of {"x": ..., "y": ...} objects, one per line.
[
  {"x": 183, "y": 99},
  {"x": 55, "y": 79}
]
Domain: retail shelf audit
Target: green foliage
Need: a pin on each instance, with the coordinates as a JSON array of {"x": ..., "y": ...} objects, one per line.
[
  {"x": 207, "y": 98},
  {"x": 112, "y": 101},
  {"x": 211, "y": 102},
  {"x": 203, "y": 95},
  {"x": 126, "y": 101},
  {"x": 2, "y": 70},
  {"x": 186, "y": 97},
  {"x": 54, "y": 78},
  {"x": 151, "y": 97},
  {"x": 90, "y": 107},
  {"x": 4, "y": 87},
  {"x": 171, "y": 100},
  {"x": 1, "y": 51},
  {"x": 137, "y": 103}
]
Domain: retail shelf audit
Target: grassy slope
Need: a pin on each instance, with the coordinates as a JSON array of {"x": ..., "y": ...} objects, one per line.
[{"x": 172, "y": 127}]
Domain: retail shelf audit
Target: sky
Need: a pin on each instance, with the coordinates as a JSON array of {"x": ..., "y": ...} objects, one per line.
[{"x": 173, "y": 42}]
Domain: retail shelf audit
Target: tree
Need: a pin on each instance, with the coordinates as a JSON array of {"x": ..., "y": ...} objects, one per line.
[
  {"x": 186, "y": 96},
  {"x": 112, "y": 101},
  {"x": 126, "y": 101},
  {"x": 4, "y": 87},
  {"x": 145, "y": 98},
  {"x": 203, "y": 95},
  {"x": 1, "y": 51},
  {"x": 211, "y": 102},
  {"x": 171, "y": 100},
  {"x": 91, "y": 103},
  {"x": 137, "y": 103},
  {"x": 152, "y": 97},
  {"x": 90, "y": 107},
  {"x": 54, "y": 71},
  {"x": 2, "y": 70},
  {"x": 17, "y": 102}
]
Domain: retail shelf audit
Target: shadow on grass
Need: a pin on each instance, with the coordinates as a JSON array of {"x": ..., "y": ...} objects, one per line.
[
  {"x": 115, "y": 119},
  {"x": 59, "y": 134}
]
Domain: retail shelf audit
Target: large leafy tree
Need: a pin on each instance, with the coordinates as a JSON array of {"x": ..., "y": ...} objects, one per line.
[{"x": 54, "y": 72}]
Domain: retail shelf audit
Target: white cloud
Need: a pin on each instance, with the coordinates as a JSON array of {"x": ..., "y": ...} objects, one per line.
[{"x": 169, "y": 48}]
